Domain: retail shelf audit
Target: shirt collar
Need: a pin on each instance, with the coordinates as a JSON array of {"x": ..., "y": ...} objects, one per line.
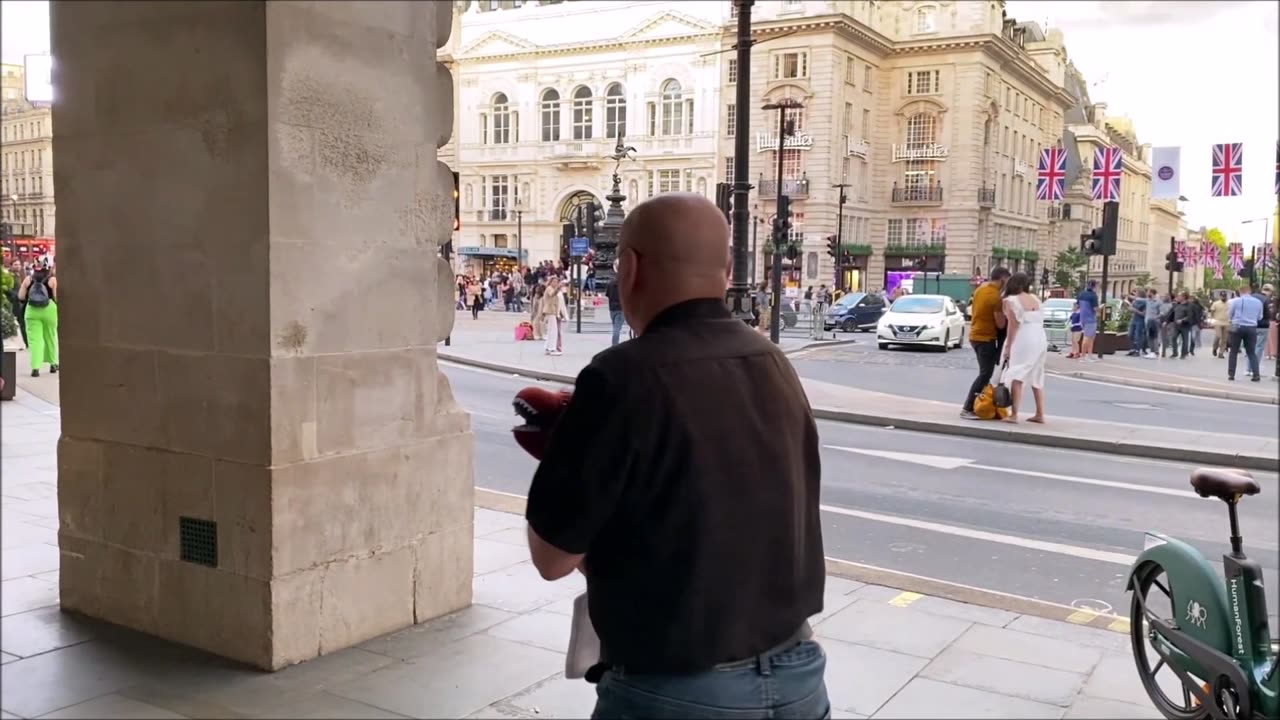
[{"x": 690, "y": 311}]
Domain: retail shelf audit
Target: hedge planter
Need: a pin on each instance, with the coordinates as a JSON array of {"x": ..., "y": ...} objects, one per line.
[
  {"x": 999, "y": 253},
  {"x": 1014, "y": 254},
  {"x": 856, "y": 250},
  {"x": 915, "y": 251},
  {"x": 8, "y": 373},
  {"x": 1030, "y": 255}
]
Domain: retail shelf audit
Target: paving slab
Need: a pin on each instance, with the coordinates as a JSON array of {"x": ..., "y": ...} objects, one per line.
[
  {"x": 1006, "y": 677},
  {"x": 900, "y": 630},
  {"x": 925, "y": 698},
  {"x": 860, "y": 678},
  {"x": 1020, "y": 647}
]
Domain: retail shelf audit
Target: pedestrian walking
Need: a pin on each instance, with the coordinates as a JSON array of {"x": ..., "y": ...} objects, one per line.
[
  {"x": 1264, "y": 325},
  {"x": 19, "y": 275},
  {"x": 616, "y": 318},
  {"x": 1088, "y": 299},
  {"x": 984, "y": 335},
  {"x": 535, "y": 311},
  {"x": 1026, "y": 346},
  {"x": 702, "y": 543},
  {"x": 818, "y": 304},
  {"x": 39, "y": 291},
  {"x": 1244, "y": 313},
  {"x": 1221, "y": 325}
]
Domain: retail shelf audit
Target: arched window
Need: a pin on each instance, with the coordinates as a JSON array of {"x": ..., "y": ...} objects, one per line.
[
  {"x": 501, "y": 119},
  {"x": 583, "y": 117},
  {"x": 672, "y": 108},
  {"x": 615, "y": 111},
  {"x": 922, "y": 135},
  {"x": 550, "y": 115},
  {"x": 925, "y": 20}
]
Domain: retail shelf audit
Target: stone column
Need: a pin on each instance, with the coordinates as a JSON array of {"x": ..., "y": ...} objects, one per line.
[{"x": 259, "y": 456}]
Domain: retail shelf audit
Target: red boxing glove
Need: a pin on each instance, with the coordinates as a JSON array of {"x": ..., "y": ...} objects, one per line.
[{"x": 540, "y": 409}]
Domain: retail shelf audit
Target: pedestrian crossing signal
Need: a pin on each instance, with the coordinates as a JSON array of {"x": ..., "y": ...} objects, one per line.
[
  {"x": 1172, "y": 263},
  {"x": 833, "y": 246}
]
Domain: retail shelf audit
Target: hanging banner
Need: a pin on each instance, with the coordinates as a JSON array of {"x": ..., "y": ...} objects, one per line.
[
  {"x": 1235, "y": 256},
  {"x": 1166, "y": 173}
]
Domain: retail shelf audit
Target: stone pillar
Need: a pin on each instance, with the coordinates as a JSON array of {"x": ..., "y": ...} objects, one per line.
[{"x": 259, "y": 456}]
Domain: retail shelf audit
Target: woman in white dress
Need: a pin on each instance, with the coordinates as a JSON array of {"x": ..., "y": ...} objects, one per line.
[
  {"x": 554, "y": 313},
  {"x": 1026, "y": 346}
]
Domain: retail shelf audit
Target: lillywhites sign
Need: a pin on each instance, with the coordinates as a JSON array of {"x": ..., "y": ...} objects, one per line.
[
  {"x": 769, "y": 141},
  {"x": 919, "y": 152}
]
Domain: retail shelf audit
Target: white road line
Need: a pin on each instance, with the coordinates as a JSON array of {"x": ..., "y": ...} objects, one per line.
[
  {"x": 1090, "y": 481},
  {"x": 481, "y": 371},
  {"x": 1013, "y": 540},
  {"x": 1185, "y": 396}
]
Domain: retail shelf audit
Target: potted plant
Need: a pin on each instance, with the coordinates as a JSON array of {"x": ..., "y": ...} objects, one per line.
[
  {"x": 8, "y": 331},
  {"x": 999, "y": 253},
  {"x": 1113, "y": 336}
]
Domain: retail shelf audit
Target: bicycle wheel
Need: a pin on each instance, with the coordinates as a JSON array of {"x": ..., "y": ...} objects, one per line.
[{"x": 1160, "y": 605}]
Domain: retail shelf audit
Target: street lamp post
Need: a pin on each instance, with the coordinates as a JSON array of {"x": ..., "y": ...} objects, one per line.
[
  {"x": 756, "y": 222},
  {"x": 1266, "y": 236},
  {"x": 13, "y": 219},
  {"x": 840, "y": 236},
  {"x": 783, "y": 205},
  {"x": 519, "y": 233},
  {"x": 740, "y": 297}
]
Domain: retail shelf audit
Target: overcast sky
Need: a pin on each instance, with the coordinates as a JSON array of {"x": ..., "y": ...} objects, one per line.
[{"x": 1190, "y": 74}]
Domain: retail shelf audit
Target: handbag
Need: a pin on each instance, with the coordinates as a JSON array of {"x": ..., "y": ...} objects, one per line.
[{"x": 1000, "y": 395}]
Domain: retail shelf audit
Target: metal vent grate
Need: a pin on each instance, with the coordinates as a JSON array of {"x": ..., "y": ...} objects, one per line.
[{"x": 198, "y": 541}]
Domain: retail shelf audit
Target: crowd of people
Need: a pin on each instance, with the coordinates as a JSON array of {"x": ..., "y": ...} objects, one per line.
[{"x": 33, "y": 301}]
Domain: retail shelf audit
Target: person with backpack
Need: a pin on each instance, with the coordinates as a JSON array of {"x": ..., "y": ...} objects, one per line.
[{"x": 39, "y": 291}]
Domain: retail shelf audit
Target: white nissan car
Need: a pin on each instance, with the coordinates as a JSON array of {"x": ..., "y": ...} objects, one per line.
[{"x": 932, "y": 320}]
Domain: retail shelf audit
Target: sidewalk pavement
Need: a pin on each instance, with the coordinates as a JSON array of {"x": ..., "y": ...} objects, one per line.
[
  {"x": 1202, "y": 375},
  {"x": 865, "y": 407},
  {"x": 891, "y": 654}
]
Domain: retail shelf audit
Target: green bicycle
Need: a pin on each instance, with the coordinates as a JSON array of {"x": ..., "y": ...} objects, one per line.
[{"x": 1214, "y": 637}]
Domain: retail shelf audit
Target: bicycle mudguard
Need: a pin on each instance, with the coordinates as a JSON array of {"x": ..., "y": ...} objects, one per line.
[{"x": 1199, "y": 597}]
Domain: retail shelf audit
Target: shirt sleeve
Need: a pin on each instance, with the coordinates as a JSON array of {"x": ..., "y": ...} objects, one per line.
[{"x": 581, "y": 477}]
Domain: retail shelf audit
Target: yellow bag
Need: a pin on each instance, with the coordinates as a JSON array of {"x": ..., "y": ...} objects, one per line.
[{"x": 984, "y": 406}]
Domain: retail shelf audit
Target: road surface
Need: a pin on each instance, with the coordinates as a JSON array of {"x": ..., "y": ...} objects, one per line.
[
  {"x": 1061, "y": 526},
  {"x": 930, "y": 375}
]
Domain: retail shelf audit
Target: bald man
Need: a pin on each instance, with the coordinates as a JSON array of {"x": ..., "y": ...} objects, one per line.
[{"x": 683, "y": 482}]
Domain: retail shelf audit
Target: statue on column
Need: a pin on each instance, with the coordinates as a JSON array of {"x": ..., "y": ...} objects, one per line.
[{"x": 606, "y": 249}]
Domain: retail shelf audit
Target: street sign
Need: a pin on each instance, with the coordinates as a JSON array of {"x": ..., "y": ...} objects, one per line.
[{"x": 578, "y": 246}]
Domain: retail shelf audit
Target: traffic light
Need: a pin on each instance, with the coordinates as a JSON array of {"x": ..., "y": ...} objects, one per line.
[
  {"x": 1091, "y": 242},
  {"x": 833, "y": 246},
  {"x": 589, "y": 222},
  {"x": 457, "y": 205},
  {"x": 724, "y": 200},
  {"x": 1172, "y": 263},
  {"x": 596, "y": 218},
  {"x": 1110, "y": 226},
  {"x": 1044, "y": 277},
  {"x": 782, "y": 222}
]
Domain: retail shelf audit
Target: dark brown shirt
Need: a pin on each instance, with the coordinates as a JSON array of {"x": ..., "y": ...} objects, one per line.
[{"x": 686, "y": 468}]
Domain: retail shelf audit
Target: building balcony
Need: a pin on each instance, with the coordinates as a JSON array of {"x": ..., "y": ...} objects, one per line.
[
  {"x": 790, "y": 188},
  {"x": 1060, "y": 212},
  {"x": 1022, "y": 169},
  {"x": 921, "y": 195},
  {"x": 986, "y": 197},
  {"x": 857, "y": 147},
  {"x": 496, "y": 215}
]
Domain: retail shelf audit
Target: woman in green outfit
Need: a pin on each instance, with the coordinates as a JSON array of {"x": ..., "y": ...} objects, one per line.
[{"x": 39, "y": 291}]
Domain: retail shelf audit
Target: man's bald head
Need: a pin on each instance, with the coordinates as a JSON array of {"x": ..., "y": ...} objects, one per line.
[{"x": 674, "y": 247}]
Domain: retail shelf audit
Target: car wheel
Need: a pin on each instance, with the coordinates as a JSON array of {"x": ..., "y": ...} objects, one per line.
[
  {"x": 848, "y": 325},
  {"x": 946, "y": 342},
  {"x": 960, "y": 340},
  {"x": 884, "y": 346}
]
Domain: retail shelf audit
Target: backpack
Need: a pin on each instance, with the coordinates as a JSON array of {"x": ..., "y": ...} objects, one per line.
[{"x": 37, "y": 293}]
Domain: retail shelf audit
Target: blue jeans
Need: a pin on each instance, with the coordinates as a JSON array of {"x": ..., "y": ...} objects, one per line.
[
  {"x": 784, "y": 685},
  {"x": 616, "y": 317},
  {"x": 1138, "y": 335}
]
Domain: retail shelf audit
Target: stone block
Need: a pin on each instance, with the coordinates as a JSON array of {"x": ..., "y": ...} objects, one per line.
[
  {"x": 129, "y": 587},
  {"x": 220, "y": 612},
  {"x": 110, "y": 393},
  {"x": 365, "y": 597},
  {"x": 293, "y": 410},
  {"x": 443, "y": 580},
  {"x": 372, "y": 400},
  {"x": 144, "y": 493},
  {"x": 79, "y": 575},
  {"x": 217, "y": 405},
  {"x": 79, "y": 480},
  {"x": 295, "y": 617},
  {"x": 242, "y": 509}
]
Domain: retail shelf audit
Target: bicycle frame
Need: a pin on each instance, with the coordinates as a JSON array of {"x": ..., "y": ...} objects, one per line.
[{"x": 1221, "y": 629}]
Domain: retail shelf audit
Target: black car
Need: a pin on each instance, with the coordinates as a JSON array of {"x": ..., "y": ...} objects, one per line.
[{"x": 855, "y": 312}]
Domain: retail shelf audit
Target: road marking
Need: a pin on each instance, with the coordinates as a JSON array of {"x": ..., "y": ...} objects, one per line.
[
  {"x": 1082, "y": 617},
  {"x": 940, "y": 462},
  {"x": 904, "y": 599},
  {"x": 952, "y": 463},
  {"x": 1120, "y": 626},
  {"x": 1186, "y": 396},
  {"x": 1022, "y": 542}
]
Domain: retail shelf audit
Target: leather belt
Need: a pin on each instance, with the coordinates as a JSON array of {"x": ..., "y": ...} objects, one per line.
[{"x": 803, "y": 633}]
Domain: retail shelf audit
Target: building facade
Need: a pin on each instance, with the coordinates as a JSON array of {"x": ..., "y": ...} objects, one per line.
[
  {"x": 26, "y": 162},
  {"x": 546, "y": 91},
  {"x": 931, "y": 114}
]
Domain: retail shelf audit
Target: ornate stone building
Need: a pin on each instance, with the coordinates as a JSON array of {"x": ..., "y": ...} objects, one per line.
[
  {"x": 26, "y": 154},
  {"x": 932, "y": 113},
  {"x": 544, "y": 92}
]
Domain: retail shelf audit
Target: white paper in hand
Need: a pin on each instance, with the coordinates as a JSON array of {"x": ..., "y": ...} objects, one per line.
[{"x": 584, "y": 644}]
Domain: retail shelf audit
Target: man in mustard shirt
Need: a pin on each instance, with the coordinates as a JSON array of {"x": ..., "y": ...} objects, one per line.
[{"x": 985, "y": 334}]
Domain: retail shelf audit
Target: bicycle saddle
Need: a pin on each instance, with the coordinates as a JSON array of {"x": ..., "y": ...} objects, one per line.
[{"x": 1223, "y": 483}]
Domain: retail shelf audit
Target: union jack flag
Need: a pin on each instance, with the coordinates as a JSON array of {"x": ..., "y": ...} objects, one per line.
[
  {"x": 1193, "y": 257},
  {"x": 1209, "y": 252},
  {"x": 1051, "y": 176},
  {"x": 1227, "y": 170},
  {"x": 1264, "y": 254},
  {"x": 1180, "y": 248},
  {"x": 1235, "y": 256},
  {"x": 1278, "y": 168},
  {"x": 1108, "y": 163}
]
